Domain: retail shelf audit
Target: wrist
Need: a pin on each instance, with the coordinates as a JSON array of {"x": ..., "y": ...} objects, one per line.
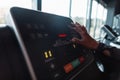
[
  {"x": 95, "y": 45},
  {"x": 102, "y": 48}
]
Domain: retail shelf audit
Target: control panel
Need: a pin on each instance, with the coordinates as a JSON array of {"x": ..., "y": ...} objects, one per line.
[{"x": 45, "y": 41}]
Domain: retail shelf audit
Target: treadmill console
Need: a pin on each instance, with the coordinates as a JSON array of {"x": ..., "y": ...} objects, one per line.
[{"x": 45, "y": 42}]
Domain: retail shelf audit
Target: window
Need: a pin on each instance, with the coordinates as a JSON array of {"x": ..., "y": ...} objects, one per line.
[
  {"x": 76, "y": 9},
  {"x": 5, "y": 5},
  {"x": 60, "y": 7},
  {"x": 79, "y": 11},
  {"x": 116, "y": 23},
  {"x": 98, "y": 18}
]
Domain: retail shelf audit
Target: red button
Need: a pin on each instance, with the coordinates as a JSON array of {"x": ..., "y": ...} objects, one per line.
[
  {"x": 62, "y": 35},
  {"x": 68, "y": 67},
  {"x": 82, "y": 59}
]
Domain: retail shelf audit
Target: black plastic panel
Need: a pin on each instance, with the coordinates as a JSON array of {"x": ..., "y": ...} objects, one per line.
[{"x": 47, "y": 41}]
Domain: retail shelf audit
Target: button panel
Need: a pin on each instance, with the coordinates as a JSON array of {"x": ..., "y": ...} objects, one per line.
[{"x": 74, "y": 64}]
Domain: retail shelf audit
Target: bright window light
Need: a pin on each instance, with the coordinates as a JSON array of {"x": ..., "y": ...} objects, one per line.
[
  {"x": 60, "y": 7},
  {"x": 5, "y": 5}
]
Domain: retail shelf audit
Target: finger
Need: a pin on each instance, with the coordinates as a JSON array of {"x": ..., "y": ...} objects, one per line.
[
  {"x": 72, "y": 26},
  {"x": 77, "y": 23},
  {"x": 83, "y": 29},
  {"x": 76, "y": 40},
  {"x": 78, "y": 28}
]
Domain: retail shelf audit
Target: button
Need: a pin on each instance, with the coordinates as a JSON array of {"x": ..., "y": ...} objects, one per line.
[
  {"x": 75, "y": 63},
  {"x": 46, "y": 55},
  {"x": 82, "y": 59},
  {"x": 36, "y": 26},
  {"x": 41, "y": 26},
  {"x": 52, "y": 66},
  {"x": 29, "y": 26},
  {"x": 68, "y": 67},
  {"x": 39, "y": 35},
  {"x": 46, "y": 35},
  {"x": 50, "y": 53},
  {"x": 32, "y": 36},
  {"x": 56, "y": 75}
]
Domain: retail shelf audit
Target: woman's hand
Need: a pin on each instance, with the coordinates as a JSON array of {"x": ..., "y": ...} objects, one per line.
[{"x": 86, "y": 39}]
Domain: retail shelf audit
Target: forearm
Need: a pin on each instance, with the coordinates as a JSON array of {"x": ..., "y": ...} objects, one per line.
[
  {"x": 108, "y": 51},
  {"x": 115, "y": 53},
  {"x": 109, "y": 56}
]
